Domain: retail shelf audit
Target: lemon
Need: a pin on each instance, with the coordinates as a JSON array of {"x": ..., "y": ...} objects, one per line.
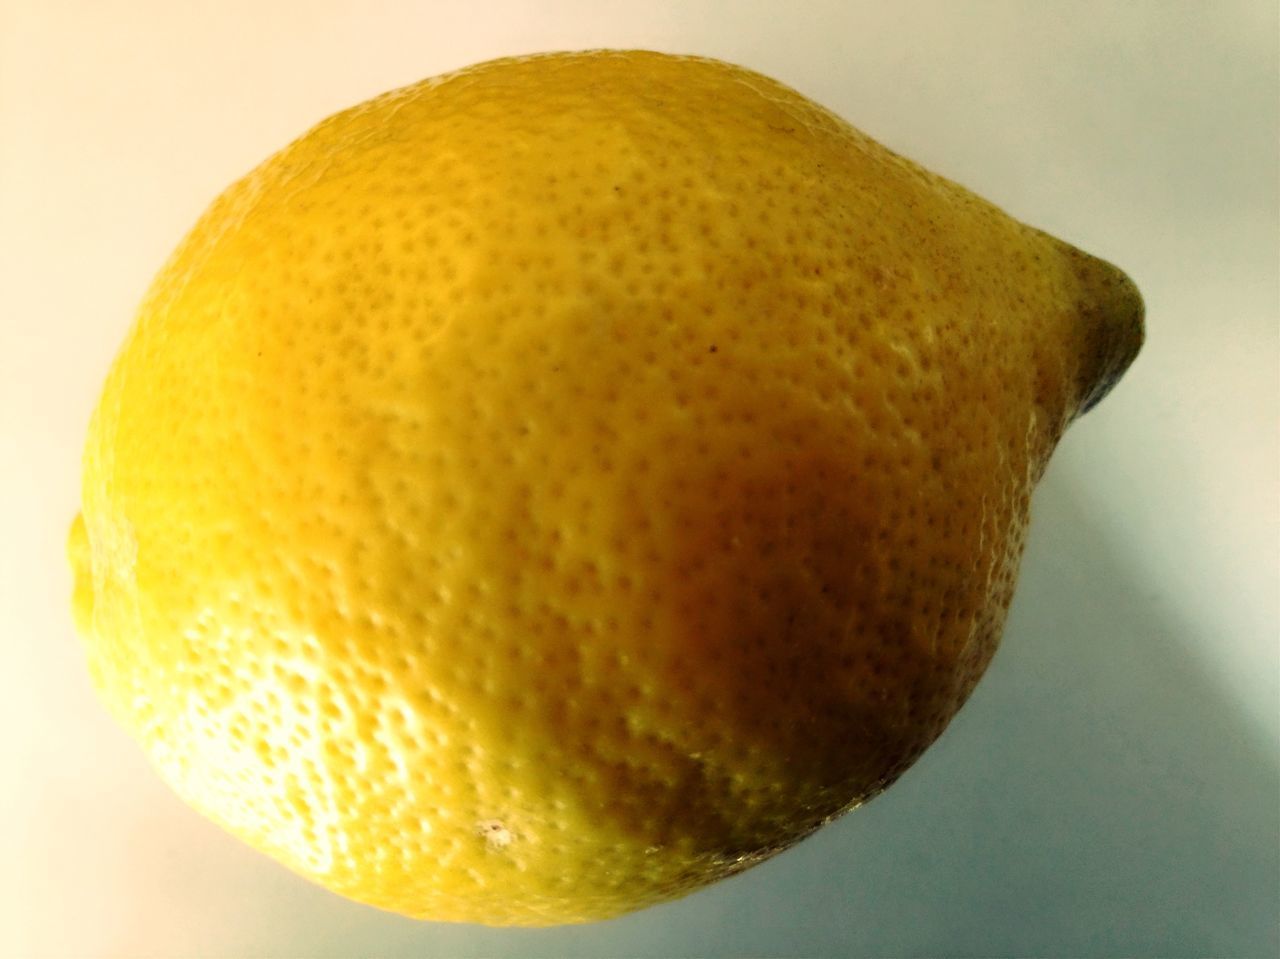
[{"x": 543, "y": 490}]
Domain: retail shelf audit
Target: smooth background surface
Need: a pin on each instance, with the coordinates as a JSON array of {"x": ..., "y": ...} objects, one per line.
[{"x": 1111, "y": 789}]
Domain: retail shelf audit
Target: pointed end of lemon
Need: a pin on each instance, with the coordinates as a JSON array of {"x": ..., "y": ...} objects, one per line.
[
  {"x": 1112, "y": 316},
  {"x": 78, "y": 554}
]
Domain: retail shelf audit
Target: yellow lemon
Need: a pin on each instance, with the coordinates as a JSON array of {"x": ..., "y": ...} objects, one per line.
[{"x": 543, "y": 490}]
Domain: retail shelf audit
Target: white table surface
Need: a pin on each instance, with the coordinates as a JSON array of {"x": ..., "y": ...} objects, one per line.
[{"x": 1111, "y": 788}]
